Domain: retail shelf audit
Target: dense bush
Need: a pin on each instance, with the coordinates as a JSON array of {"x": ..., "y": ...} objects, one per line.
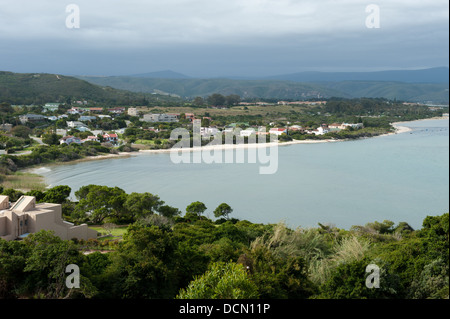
[{"x": 194, "y": 257}]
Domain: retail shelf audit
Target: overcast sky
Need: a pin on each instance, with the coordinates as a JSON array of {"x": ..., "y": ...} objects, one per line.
[{"x": 221, "y": 37}]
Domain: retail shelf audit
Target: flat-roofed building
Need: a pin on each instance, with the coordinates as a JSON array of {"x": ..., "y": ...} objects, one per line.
[
  {"x": 25, "y": 217},
  {"x": 133, "y": 111},
  {"x": 160, "y": 118}
]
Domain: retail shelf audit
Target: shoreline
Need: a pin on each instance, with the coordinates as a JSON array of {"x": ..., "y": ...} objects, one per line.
[
  {"x": 237, "y": 146},
  {"x": 34, "y": 168},
  {"x": 404, "y": 129},
  {"x": 399, "y": 129}
]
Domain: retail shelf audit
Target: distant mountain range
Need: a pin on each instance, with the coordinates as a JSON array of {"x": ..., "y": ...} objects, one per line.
[
  {"x": 167, "y": 74},
  {"x": 426, "y": 86},
  {"x": 432, "y": 75}
]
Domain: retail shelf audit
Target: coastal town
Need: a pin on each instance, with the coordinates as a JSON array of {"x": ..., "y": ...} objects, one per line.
[{"x": 116, "y": 126}]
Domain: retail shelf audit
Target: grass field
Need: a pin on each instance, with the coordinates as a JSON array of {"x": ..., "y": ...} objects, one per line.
[
  {"x": 272, "y": 110},
  {"x": 115, "y": 231},
  {"x": 24, "y": 182}
]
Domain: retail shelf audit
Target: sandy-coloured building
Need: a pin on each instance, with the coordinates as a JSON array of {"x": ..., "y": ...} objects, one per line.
[{"x": 25, "y": 217}]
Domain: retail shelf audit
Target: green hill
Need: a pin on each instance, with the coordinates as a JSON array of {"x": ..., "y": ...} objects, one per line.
[
  {"x": 282, "y": 90},
  {"x": 204, "y": 87},
  {"x": 33, "y": 88}
]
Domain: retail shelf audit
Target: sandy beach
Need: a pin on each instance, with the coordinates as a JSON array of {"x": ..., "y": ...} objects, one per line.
[{"x": 237, "y": 146}]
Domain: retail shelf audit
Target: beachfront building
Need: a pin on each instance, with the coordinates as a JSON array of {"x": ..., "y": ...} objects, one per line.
[
  {"x": 335, "y": 126},
  {"x": 248, "y": 132},
  {"x": 321, "y": 130},
  {"x": 111, "y": 138},
  {"x": 207, "y": 132},
  {"x": 295, "y": 128},
  {"x": 25, "y": 217},
  {"x": 277, "y": 131}
]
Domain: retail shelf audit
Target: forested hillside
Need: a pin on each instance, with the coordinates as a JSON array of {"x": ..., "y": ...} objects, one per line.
[{"x": 32, "y": 88}]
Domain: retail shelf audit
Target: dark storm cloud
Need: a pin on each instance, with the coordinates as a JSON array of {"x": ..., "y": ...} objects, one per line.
[{"x": 209, "y": 38}]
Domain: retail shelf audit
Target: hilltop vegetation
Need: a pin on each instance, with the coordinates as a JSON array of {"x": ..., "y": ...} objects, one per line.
[{"x": 33, "y": 88}]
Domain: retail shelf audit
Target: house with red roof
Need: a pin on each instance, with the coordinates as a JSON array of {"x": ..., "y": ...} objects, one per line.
[{"x": 111, "y": 138}]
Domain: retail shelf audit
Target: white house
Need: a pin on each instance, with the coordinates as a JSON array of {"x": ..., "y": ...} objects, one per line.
[
  {"x": 69, "y": 140},
  {"x": 208, "y": 131},
  {"x": 321, "y": 130},
  {"x": 248, "y": 132},
  {"x": 74, "y": 124},
  {"x": 277, "y": 131},
  {"x": 61, "y": 132},
  {"x": 51, "y": 107},
  {"x": 76, "y": 110},
  {"x": 86, "y": 118},
  {"x": 91, "y": 139},
  {"x": 97, "y": 132},
  {"x": 31, "y": 118},
  {"x": 111, "y": 138},
  {"x": 295, "y": 128}
]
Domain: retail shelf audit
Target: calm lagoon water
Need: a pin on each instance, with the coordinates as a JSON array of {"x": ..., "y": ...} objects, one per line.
[{"x": 402, "y": 177}]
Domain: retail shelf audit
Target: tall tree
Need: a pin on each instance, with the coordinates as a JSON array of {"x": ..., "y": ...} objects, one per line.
[
  {"x": 57, "y": 194},
  {"x": 233, "y": 99},
  {"x": 223, "y": 210},
  {"x": 216, "y": 100},
  {"x": 101, "y": 202},
  {"x": 196, "y": 208},
  {"x": 141, "y": 205}
]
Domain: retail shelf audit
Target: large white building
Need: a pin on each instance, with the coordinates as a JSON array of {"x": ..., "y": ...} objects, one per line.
[{"x": 167, "y": 118}]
